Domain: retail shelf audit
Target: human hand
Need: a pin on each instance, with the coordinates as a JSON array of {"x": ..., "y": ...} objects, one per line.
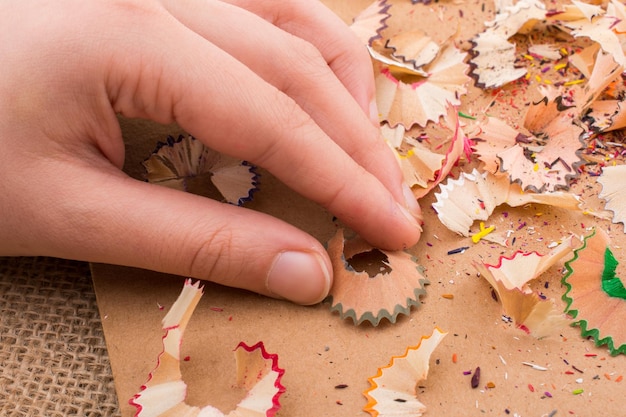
[{"x": 282, "y": 84}]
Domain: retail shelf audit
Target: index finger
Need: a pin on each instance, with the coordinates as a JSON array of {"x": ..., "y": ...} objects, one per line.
[
  {"x": 297, "y": 68},
  {"x": 350, "y": 64},
  {"x": 186, "y": 78}
]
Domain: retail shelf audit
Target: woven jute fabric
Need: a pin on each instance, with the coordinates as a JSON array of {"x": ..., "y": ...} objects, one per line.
[{"x": 53, "y": 358}]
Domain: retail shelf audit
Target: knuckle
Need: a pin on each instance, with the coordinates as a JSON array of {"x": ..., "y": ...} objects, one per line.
[
  {"x": 284, "y": 116},
  {"x": 211, "y": 258},
  {"x": 307, "y": 53},
  {"x": 303, "y": 64},
  {"x": 350, "y": 56}
]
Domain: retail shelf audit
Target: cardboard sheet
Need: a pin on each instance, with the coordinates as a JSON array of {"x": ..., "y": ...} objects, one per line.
[{"x": 320, "y": 352}]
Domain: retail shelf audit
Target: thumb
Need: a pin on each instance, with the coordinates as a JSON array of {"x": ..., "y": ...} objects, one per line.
[{"x": 116, "y": 219}]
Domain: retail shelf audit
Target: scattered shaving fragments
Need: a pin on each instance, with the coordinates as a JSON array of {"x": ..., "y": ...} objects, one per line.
[
  {"x": 510, "y": 278},
  {"x": 543, "y": 160},
  {"x": 606, "y": 115},
  {"x": 606, "y": 27},
  {"x": 545, "y": 155},
  {"x": 175, "y": 162},
  {"x": 422, "y": 168},
  {"x": 595, "y": 295},
  {"x": 494, "y": 58},
  {"x": 482, "y": 193},
  {"x": 368, "y": 27},
  {"x": 493, "y": 61},
  {"x": 606, "y": 70},
  {"x": 413, "y": 47},
  {"x": 370, "y": 23},
  {"x": 409, "y": 100},
  {"x": 416, "y": 78},
  {"x": 165, "y": 392},
  {"x": 614, "y": 191},
  {"x": 393, "y": 389},
  {"x": 365, "y": 298}
]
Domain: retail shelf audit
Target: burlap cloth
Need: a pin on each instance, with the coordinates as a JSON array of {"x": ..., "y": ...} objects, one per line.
[{"x": 53, "y": 356}]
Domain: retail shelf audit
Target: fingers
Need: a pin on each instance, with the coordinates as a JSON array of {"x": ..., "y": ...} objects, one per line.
[
  {"x": 299, "y": 69},
  {"x": 136, "y": 58},
  {"x": 97, "y": 214},
  {"x": 224, "y": 103}
]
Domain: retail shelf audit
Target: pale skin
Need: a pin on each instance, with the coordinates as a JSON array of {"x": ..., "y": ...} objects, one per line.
[{"x": 302, "y": 80}]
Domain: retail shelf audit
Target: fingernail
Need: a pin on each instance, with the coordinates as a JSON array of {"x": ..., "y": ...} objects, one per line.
[
  {"x": 415, "y": 221},
  {"x": 374, "y": 115},
  {"x": 411, "y": 202},
  {"x": 301, "y": 277}
]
